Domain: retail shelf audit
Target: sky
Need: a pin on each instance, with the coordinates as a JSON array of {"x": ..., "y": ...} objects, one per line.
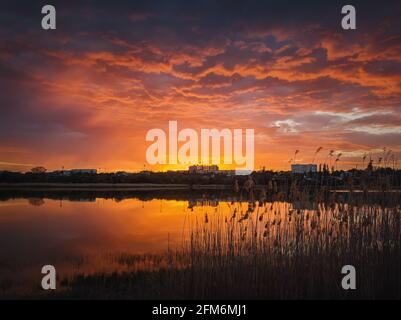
[{"x": 85, "y": 95}]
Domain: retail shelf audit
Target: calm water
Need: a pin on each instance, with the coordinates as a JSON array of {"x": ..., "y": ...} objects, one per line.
[
  {"x": 83, "y": 236},
  {"x": 86, "y": 237},
  {"x": 76, "y": 236},
  {"x": 38, "y": 229}
]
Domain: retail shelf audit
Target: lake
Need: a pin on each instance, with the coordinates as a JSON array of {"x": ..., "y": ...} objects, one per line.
[{"x": 99, "y": 236}]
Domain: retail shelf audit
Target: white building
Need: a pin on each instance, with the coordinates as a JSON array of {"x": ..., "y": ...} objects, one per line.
[
  {"x": 303, "y": 168},
  {"x": 203, "y": 169}
]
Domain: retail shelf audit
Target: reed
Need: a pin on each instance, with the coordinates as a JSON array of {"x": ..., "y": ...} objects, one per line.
[{"x": 264, "y": 249}]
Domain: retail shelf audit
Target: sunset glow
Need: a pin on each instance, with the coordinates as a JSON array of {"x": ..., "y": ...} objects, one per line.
[{"x": 85, "y": 95}]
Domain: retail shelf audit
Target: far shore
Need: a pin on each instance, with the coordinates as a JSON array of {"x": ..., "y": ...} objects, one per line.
[
  {"x": 110, "y": 186},
  {"x": 48, "y": 186}
]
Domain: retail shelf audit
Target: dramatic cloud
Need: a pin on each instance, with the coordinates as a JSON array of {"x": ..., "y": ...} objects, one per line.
[{"x": 85, "y": 94}]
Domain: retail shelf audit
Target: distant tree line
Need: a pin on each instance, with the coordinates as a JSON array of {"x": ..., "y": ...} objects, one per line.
[{"x": 382, "y": 178}]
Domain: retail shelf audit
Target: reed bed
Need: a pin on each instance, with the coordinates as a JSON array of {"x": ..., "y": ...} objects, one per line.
[{"x": 266, "y": 250}]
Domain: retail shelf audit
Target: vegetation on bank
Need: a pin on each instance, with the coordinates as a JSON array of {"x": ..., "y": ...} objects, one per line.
[{"x": 379, "y": 179}]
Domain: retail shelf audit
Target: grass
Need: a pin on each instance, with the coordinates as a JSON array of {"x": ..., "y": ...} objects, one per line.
[{"x": 263, "y": 250}]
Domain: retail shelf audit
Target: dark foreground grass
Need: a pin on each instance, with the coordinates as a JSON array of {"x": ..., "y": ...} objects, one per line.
[{"x": 316, "y": 277}]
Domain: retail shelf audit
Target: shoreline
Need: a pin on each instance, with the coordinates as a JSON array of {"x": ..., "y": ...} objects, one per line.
[
  {"x": 110, "y": 186},
  {"x": 49, "y": 186}
]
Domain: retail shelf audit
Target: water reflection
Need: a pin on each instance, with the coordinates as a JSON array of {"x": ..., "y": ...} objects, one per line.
[{"x": 93, "y": 234}]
